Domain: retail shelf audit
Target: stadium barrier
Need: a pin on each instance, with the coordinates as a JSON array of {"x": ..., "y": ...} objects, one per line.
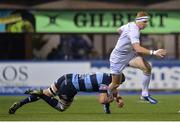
[{"x": 17, "y": 76}]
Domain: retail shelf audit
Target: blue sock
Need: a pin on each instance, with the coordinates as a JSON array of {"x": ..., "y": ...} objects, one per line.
[
  {"x": 107, "y": 108},
  {"x": 50, "y": 100},
  {"x": 31, "y": 98}
]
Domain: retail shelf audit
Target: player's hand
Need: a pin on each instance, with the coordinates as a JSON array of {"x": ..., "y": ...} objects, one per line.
[
  {"x": 160, "y": 53},
  {"x": 120, "y": 102},
  {"x": 110, "y": 98},
  {"x": 115, "y": 93}
]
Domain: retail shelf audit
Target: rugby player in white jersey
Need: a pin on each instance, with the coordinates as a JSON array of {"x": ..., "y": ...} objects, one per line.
[{"x": 128, "y": 51}]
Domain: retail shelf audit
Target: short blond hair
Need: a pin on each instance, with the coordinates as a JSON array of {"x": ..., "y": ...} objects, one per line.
[{"x": 141, "y": 14}]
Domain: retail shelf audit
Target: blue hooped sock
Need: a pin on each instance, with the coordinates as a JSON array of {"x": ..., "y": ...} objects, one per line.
[
  {"x": 50, "y": 100},
  {"x": 31, "y": 98}
]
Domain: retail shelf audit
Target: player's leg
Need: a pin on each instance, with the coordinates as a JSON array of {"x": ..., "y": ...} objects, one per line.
[
  {"x": 107, "y": 108},
  {"x": 115, "y": 81},
  {"x": 17, "y": 105},
  {"x": 66, "y": 94},
  {"x": 60, "y": 104},
  {"x": 140, "y": 63},
  {"x": 48, "y": 95},
  {"x": 116, "y": 71},
  {"x": 34, "y": 96},
  {"x": 105, "y": 101}
]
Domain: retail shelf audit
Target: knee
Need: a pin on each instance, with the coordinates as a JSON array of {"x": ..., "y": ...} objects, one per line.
[
  {"x": 116, "y": 79},
  {"x": 147, "y": 69},
  {"x": 62, "y": 106}
]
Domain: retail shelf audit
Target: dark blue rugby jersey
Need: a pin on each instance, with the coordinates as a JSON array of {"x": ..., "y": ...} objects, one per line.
[{"x": 90, "y": 82}]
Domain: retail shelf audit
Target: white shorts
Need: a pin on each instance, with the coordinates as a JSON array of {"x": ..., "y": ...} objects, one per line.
[{"x": 119, "y": 62}]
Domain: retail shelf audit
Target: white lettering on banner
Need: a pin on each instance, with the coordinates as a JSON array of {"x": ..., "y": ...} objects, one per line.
[
  {"x": 166, "y": 77},
  {"x": 11, "y": 73},
  {"x": 37, "y": 73}
]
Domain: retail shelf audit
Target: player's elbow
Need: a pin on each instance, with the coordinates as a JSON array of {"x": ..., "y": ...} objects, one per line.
[
  {"x": 138, "y": 51},
  {"x": 137, "y": 48}
]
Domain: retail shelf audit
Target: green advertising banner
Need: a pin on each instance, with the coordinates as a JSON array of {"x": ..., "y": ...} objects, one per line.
[
  {"x": 103, "y": 21},
  {"x": 81, "y": 21}
]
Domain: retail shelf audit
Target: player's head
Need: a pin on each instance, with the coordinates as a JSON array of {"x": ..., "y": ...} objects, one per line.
[{"x": 142, "y": 19}]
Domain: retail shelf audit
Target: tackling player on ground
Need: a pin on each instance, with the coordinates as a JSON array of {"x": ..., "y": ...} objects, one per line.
[{"x": 67, "y": 86}]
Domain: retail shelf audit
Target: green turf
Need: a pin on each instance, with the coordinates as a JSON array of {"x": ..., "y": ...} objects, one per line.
[{"x": 88, "y": 108}]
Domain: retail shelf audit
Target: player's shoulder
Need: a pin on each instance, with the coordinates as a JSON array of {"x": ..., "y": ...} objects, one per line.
[
  {"x": 127, "y": 26},
  {"x": 132, "y": 25}
]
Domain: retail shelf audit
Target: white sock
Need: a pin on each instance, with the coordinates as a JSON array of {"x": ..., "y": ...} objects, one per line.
[{"x": 145, "y": 84}]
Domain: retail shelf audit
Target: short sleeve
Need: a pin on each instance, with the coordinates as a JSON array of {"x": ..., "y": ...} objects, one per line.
[
  {"x": 122, "y": 28},
  {"x": 134, "y": 36}
]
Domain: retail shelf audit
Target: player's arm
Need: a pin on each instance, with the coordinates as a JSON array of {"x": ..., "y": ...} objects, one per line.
[
  {"x": 119, "y": 101},
  {"x": 118, "y": 98},
  {"x": 139, "y": 49},
  {"x": 104, "y": 96},
  {"x": 134, "y": 35}
]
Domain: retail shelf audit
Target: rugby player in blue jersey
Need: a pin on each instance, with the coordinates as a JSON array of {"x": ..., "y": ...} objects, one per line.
[{"x": 67, "y": 86}]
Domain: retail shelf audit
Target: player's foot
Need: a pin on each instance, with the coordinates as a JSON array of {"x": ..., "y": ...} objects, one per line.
[
  {"x": 14, "y": 107},
  {"x": 149, "y": 99},
  {"x": 34, "y": 92},
  {"x": 107, "y": 108}
]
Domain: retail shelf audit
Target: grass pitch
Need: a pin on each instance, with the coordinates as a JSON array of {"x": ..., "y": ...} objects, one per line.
[{"x": 87, "y": 108}]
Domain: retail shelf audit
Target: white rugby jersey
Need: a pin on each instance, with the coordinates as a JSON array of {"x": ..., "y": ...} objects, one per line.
[{"x": 123, "y": 50}]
